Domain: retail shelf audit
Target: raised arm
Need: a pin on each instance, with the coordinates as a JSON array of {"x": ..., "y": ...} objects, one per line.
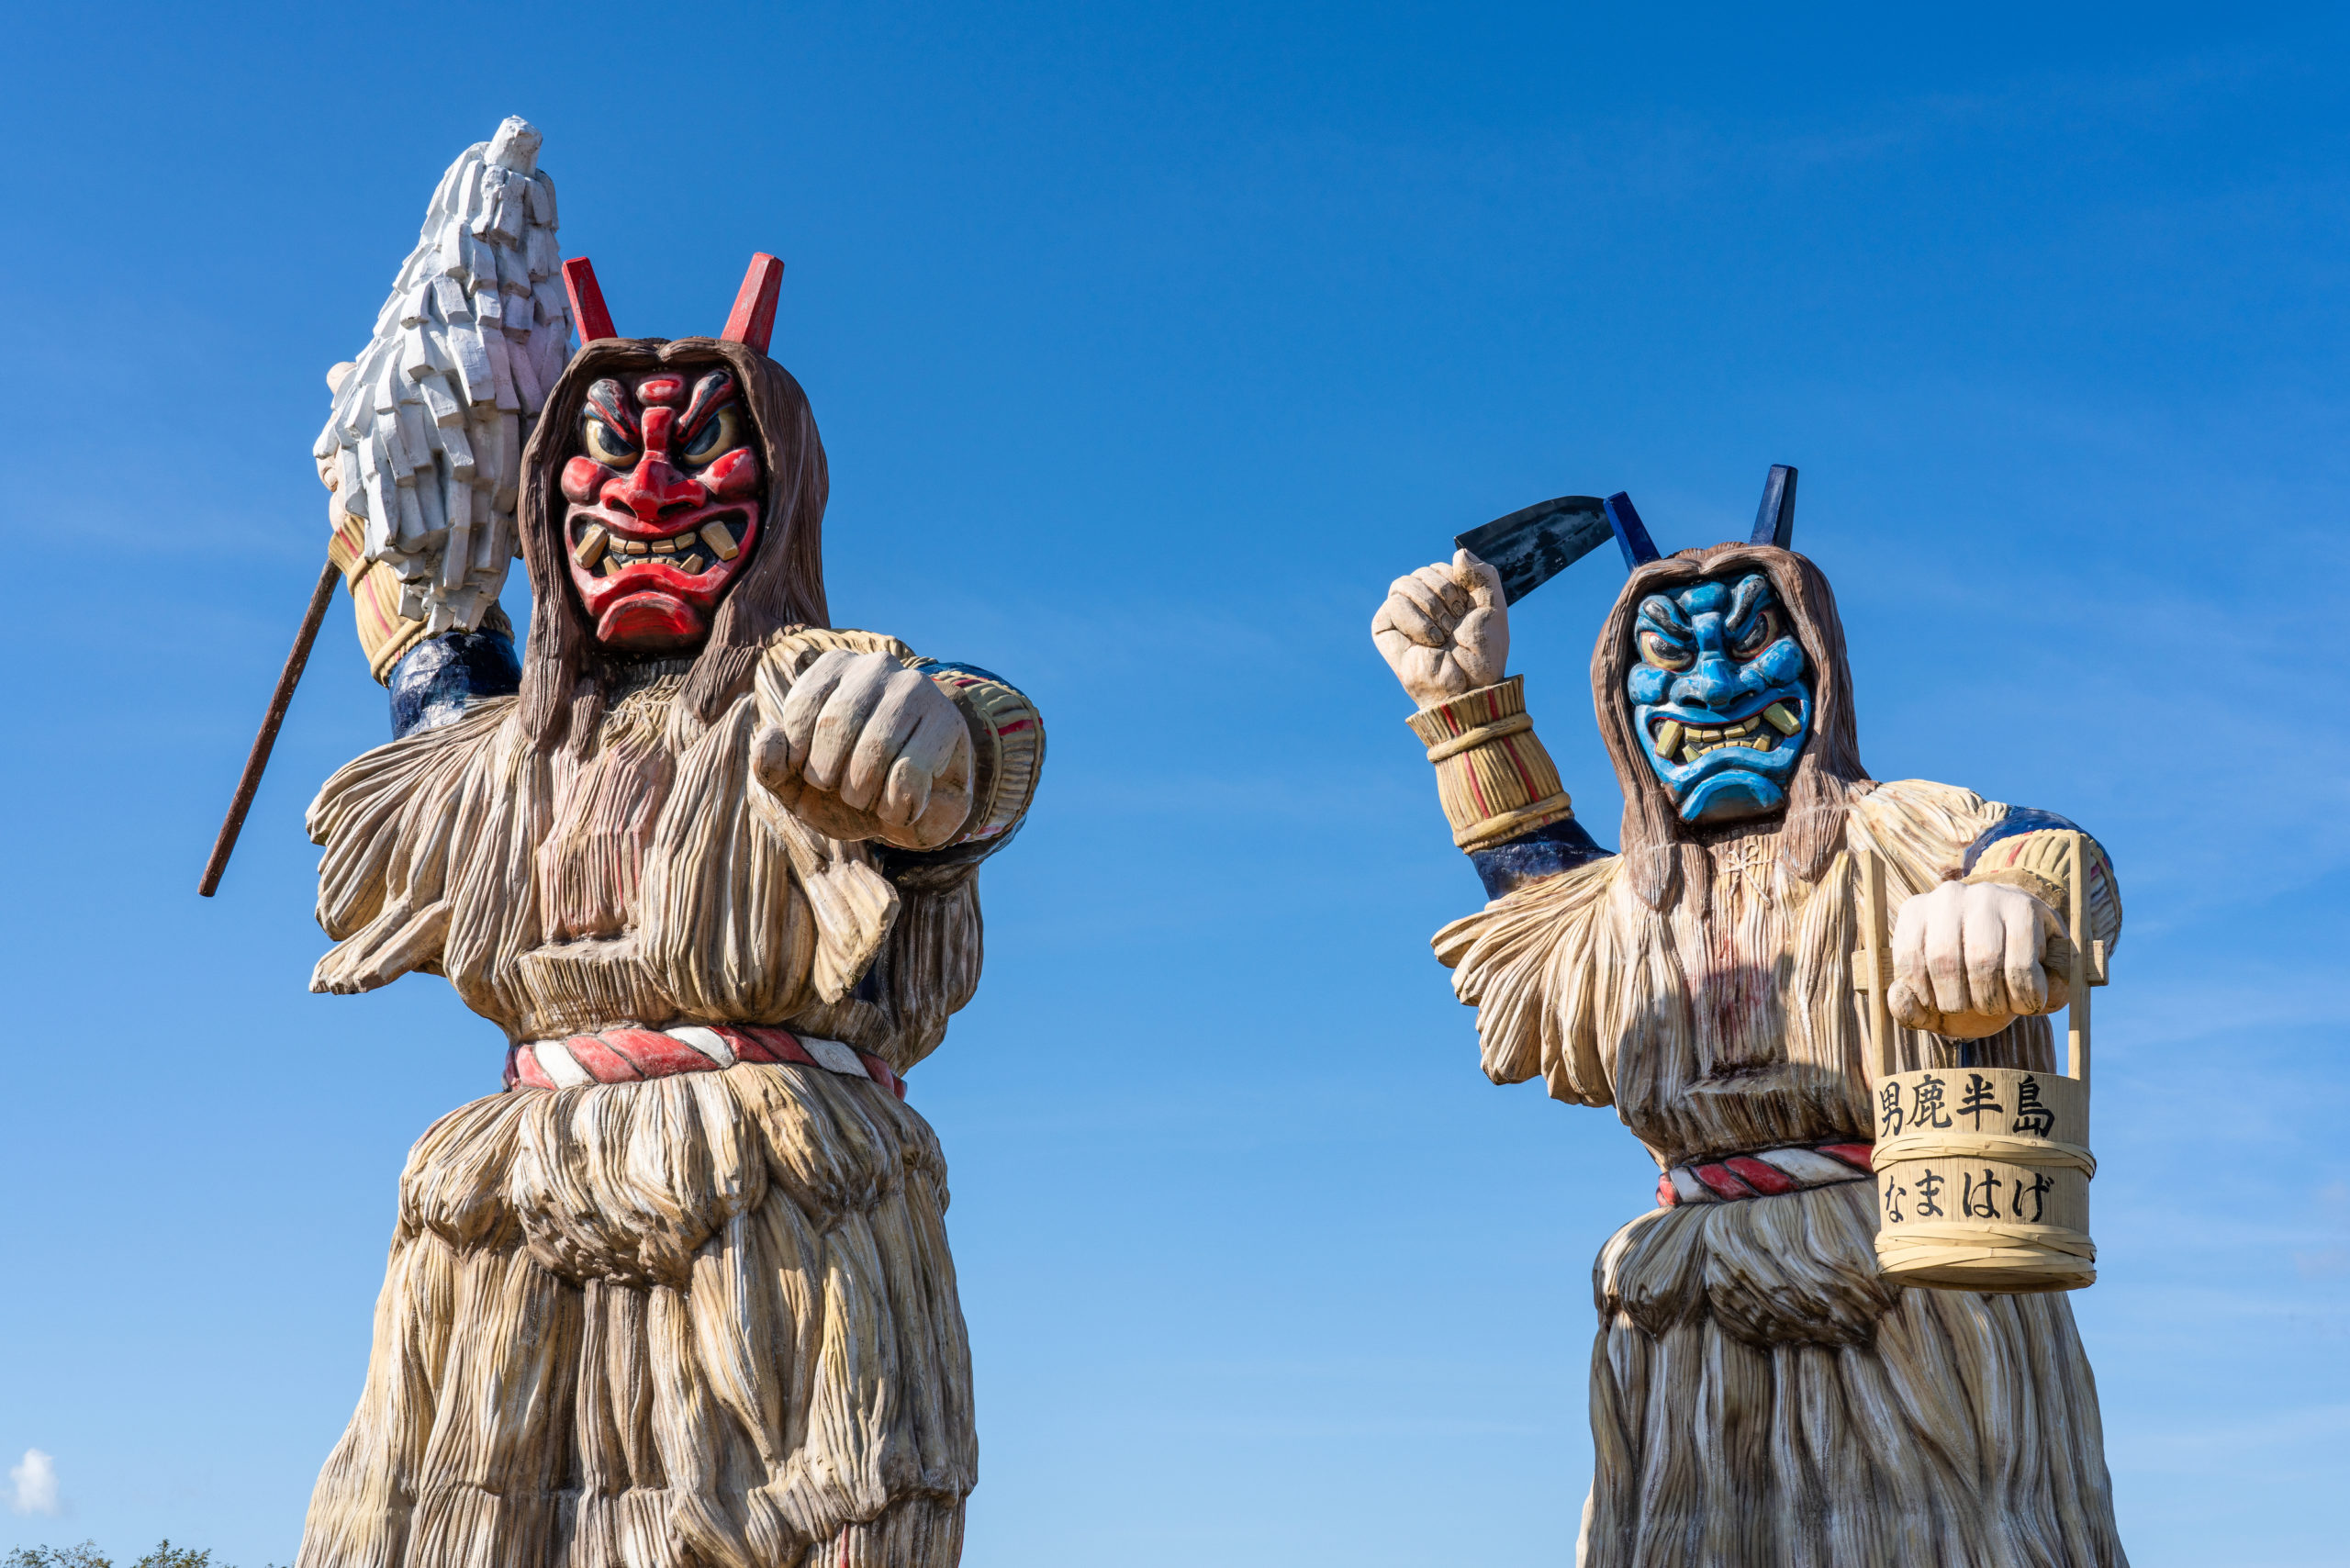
[
  {"x": 1444, "y": 630},
  {"x": 433, "y": 679},
  {"x": 422, "y": 449}
]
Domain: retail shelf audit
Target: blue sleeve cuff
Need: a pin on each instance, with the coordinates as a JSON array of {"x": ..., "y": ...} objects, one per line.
[
  {"x": 434, "y": 681},
  {"x": 1554, "y": 848}
]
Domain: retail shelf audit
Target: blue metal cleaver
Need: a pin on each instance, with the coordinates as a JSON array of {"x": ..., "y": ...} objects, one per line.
[{"x": 1535, "y": 544}]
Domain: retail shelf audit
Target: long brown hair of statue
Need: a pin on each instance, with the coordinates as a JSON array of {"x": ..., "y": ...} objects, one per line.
[
  {"x": 1661, "y": 850},
  {"x": 564, "y": 673}
]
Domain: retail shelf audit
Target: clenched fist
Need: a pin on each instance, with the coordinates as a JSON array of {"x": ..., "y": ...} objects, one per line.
[
  {"x": 1444, "y": 630},
  {"x": 867, "y": 748},
  {"x": 1966, "y": 961}
]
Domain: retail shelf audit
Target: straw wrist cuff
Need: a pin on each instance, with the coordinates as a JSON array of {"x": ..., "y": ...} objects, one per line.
[{"x": 1493, "y": 775}]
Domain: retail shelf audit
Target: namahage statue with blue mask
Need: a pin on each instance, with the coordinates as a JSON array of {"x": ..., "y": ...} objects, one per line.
[{"x": 1761, "y": 1395}]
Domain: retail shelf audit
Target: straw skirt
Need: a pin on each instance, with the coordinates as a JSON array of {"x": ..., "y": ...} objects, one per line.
[
  {"x": 706, "y": 1318},
  {"x": 1759, "y": 1398}
]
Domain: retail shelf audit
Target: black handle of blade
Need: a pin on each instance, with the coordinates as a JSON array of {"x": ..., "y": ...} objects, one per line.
[{"x": 1535, "y": 544}]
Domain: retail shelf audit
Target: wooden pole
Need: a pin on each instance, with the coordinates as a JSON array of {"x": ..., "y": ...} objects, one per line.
[
  {"x": 258, "y": 758},
  {"x": 2076, "y": 1017}
]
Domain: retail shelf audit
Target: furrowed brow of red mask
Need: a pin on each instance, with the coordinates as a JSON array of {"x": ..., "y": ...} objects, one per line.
[
  {"x": 608, "y": 401},
  {"x": 710, "y": 392}
]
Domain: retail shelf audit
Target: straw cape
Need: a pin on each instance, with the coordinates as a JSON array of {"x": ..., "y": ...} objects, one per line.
[{"x": 1760, "y": 1396}]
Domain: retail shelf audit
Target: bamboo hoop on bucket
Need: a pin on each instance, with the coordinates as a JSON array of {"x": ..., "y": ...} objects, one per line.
[{"x": 2002, "y": 1208}]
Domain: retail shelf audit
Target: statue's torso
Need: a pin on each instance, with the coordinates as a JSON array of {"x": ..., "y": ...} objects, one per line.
[
  {"x": 646, "y": 879},
  {"x": 1724, "y": 1023}
]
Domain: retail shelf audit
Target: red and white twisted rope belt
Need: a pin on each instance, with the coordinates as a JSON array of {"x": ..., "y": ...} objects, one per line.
[
  {"x": 631, "y": 1056},
  {"x": 1763, "y": 1174}
]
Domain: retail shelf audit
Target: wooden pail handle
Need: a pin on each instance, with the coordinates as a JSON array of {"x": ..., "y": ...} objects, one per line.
[
  {"x": 2086, "y": 954},
  {"x": 1876, "y": 936}
]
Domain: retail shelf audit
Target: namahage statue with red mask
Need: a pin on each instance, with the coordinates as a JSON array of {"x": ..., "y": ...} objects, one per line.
[
  {"x": 1762, "y": 1394},
  {"x": 681, "y": 1293}
]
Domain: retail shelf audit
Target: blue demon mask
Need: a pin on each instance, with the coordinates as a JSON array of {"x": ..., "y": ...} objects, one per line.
[{"x": 1721, "y": 697}]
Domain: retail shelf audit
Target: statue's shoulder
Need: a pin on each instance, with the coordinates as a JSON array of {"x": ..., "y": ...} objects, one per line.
[
  {"x": 1545, "y": 909},
  {"x": 1927, "y": 801},
  {"x": 1927, "y": 822},
  {"x": 418, "y": 761}
]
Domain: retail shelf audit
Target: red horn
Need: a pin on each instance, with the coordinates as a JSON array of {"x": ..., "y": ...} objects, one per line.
[
  {"x": 586, "y": 300},
  {"x": 753, "y": 319}
]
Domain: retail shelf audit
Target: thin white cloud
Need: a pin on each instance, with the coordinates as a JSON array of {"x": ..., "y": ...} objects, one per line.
[{"x": 34, "y": 1484}]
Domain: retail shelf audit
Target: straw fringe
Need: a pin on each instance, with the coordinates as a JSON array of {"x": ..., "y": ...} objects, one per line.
[
  {"x": 710, "y": 1317},
  {"x": 1947, "y": 1428}
]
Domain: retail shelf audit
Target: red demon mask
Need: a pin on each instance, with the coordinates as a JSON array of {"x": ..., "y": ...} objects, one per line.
[
  {"x": 666, "y": 495},
  {"x": 666, "y": 485}
]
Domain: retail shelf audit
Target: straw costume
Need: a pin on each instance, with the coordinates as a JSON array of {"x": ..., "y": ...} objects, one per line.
[
  {"x": 682, "y": 1292},
  {"x": 1759, "y": 1394}
]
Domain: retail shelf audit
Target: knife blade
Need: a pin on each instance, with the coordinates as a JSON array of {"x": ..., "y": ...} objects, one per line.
[{"x": 1535, "y": 544}]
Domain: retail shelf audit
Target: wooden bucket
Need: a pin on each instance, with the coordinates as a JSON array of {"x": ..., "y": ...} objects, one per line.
[{"x": 1983, "y": 1173}]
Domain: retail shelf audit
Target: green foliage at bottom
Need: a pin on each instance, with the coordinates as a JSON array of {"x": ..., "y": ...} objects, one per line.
[{"x": 87, "y": 1555}]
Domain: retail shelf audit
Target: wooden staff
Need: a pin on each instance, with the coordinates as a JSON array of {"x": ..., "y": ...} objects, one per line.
[{"x": 258, "y": 758}]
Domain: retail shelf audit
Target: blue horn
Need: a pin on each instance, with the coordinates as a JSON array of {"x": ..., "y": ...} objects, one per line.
[
  {"x": 1632, "y": 534},
  {"x": 1775, "y": 519}
]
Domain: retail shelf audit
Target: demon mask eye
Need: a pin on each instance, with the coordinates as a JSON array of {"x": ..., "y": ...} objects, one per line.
[
  {"x": 605, "y": 444},
  {"x": 1664, "y": 638},
  {"x": 1656, "y": 650},
  {"x": 1766, "y": 628},
  {"x": 720, "y": 433}
]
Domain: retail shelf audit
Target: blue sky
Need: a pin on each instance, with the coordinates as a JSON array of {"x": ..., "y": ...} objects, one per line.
[{"x": 1148, "y": 344}]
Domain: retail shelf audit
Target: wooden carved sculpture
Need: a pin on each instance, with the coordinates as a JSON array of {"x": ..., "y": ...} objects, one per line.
[
  {"x": 681, "y": 1293},
  {"x": 1761, "y": 1391}
]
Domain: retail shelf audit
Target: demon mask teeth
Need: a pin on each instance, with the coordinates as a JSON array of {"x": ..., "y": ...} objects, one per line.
[{"x": 1720, "y": 697}]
